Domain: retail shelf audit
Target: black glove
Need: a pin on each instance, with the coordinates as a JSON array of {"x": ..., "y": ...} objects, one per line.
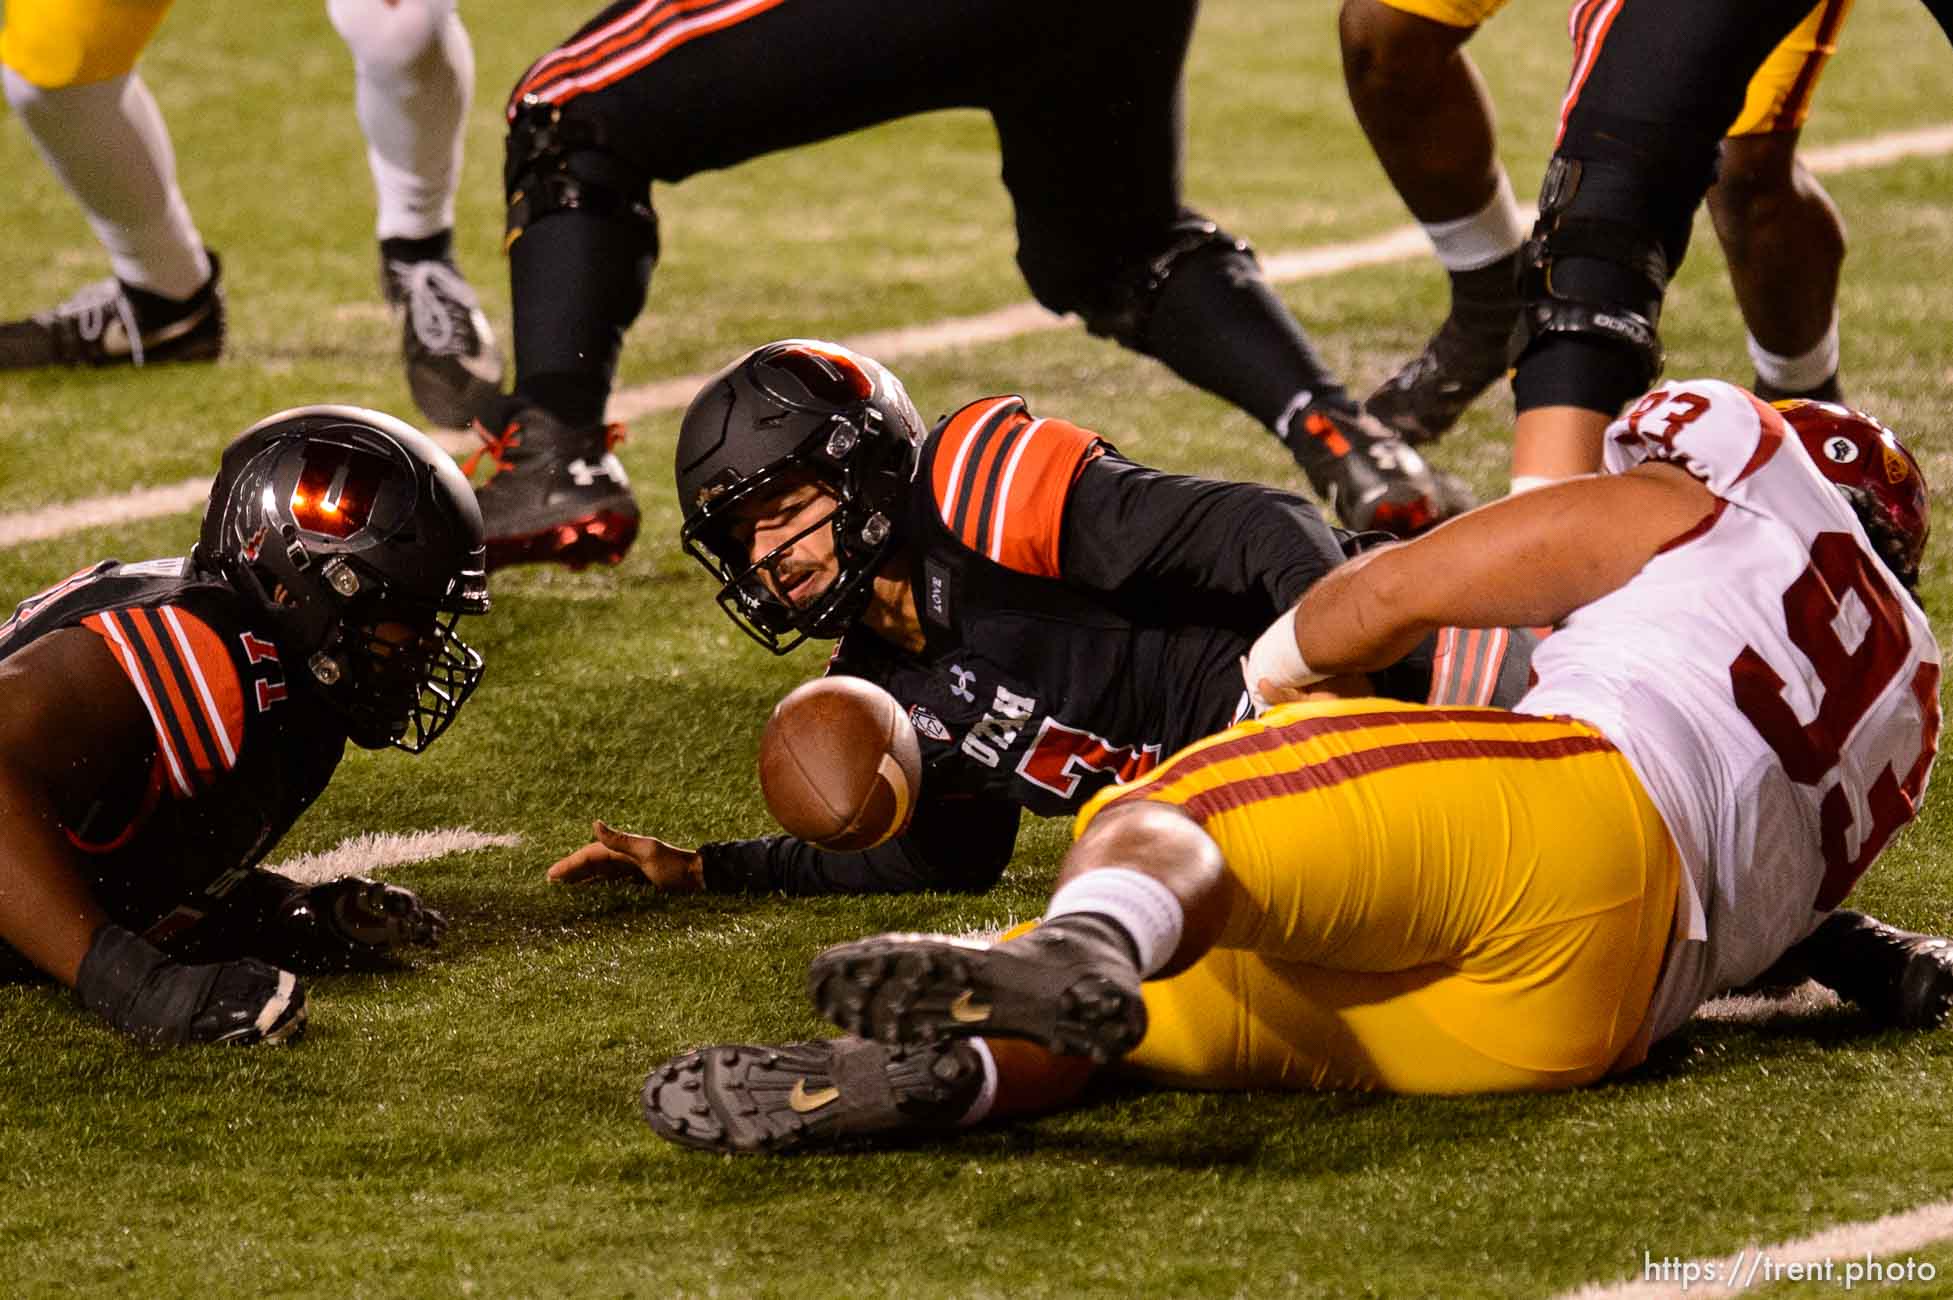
[
  {"x": 128, "y": 981},
  {"x": 355, "y": 921}
]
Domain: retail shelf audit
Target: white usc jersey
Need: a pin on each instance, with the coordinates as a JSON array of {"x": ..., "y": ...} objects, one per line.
[{"x": 1771, "y": 682}]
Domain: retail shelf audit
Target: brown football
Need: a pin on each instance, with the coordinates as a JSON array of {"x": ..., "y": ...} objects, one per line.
[{"x": 839, "y": 764}]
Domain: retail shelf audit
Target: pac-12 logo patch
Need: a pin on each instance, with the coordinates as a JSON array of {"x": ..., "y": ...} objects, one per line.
[{"x": 927, "y": 723}]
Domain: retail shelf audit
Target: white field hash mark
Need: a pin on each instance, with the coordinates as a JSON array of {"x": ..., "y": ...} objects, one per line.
[
  {"x": 363, "y": 854},
  {"x": 1399, "y": 245}
]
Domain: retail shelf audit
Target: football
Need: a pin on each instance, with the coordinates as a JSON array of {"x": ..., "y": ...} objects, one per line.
[{"x": 839, "y": 764}]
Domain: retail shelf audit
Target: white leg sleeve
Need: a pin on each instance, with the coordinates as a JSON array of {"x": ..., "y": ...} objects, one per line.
[
  {"x": 414, "y": 75},
  {"x": 107, "y": 144}
]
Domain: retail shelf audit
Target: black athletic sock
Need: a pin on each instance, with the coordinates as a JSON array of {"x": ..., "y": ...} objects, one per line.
[
  {"x": 1485, "y": 299},
  {"x": 576, "y": 280},
  {"x": 437, "y": 247}
]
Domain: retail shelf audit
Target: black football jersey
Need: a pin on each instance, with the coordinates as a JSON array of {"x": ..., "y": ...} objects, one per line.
[
  {"x": 1085, "y": 617},
  {"x": 239, "y": 753}
]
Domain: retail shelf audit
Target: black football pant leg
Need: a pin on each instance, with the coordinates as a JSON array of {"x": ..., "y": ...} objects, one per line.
[
  {"x": 1094, "y": 169},
  {"x": 1665, "y": 85},
  {"x": 787, "y": 76}
]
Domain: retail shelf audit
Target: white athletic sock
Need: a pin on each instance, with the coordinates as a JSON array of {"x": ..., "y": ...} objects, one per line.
[
  {"x": 107, "y": 145},
  {"x": 414, "y": 75},
  {"x": 1527, "y": 482},
  {"x": 1804, "y": 371},
  {"x": 1137, "y": 903},
  {"x": 1494, "y": 231}
]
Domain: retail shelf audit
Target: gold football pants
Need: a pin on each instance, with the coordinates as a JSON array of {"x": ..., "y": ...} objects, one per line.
[
  {"x": 1422, "y": 900},
  {"x": 56, "y": 43}
]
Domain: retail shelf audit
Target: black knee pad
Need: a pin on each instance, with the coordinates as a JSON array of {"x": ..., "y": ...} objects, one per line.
[
  {"x": 1614, "y": 216},
  {"x": 1120, "y": 305},
  {"x": 562, "y": 162}
]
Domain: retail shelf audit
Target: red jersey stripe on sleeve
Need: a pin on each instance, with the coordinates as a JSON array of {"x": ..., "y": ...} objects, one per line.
[
  {"x": 1026, "y": 533},
  {"x": 961, "y": 449},
  {"x": 122, "y": 642},
  {"x": 1001, "y": 480},
  {"x": 184, "y": 674},
  {"x": 214, "y": 678}
]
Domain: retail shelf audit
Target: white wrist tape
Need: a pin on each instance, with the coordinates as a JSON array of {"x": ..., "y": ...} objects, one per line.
[{"x": 1276, "y": 658}]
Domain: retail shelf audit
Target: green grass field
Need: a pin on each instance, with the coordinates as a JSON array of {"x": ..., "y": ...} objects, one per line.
[{"x": 469, "y": 1127}]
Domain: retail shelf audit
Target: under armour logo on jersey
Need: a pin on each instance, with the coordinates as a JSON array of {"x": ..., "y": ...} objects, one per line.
[
  {"x": 584, "y": 474},
  {"x": 960, "y": 688}
]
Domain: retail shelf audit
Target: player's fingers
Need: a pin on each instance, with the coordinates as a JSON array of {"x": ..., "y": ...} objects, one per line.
[
  {"x": 594, "y": 862},
  {"x": 639, "y": 847}
]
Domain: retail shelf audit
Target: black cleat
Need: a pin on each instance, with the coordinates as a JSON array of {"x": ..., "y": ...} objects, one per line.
[
  {"x": 1903, "y": 979},
  {"x": 557, "y": 495},
  {"x": 1470, "y": 351},
  {"x": 1430, "y": 392},
  {"x": 107, "y": 324},
  {"x": 453, "y": 365},
  {"x": 750, "y": 1098},
  {"x": 1372, "y": 480},
  {"x": 1074, "y": 992}
]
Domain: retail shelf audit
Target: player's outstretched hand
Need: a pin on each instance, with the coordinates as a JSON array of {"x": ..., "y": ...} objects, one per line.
[{"x": 620, "y": 855}]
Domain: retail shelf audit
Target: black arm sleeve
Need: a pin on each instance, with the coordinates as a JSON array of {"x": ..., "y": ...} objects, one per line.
[
  {"x": 954, "y": 845},
  {"x": 243, "y": 922},
  {"x": 1129, "y": 527}
]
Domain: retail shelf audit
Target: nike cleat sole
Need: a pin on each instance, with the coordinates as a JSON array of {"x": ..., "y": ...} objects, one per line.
[
  {"x": 919, "y": 989},
  {"x": 746, "y": 1098}
]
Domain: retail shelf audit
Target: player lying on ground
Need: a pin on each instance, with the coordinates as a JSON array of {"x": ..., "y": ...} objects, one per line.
[
  {"x": 163, "y": 724},
  {"x": 1086, "y": 98},
  {"x": 1051, "y": 615},
  {"x": 1737, "y": 711}
]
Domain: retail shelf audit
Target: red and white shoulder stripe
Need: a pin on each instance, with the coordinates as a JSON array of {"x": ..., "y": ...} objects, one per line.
[
  {"x": 188, "y": 683},
  {"x": 1001, "y": 480}
]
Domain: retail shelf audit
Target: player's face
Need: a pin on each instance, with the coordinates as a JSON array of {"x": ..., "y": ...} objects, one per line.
[{"x": 785, "y": 533}]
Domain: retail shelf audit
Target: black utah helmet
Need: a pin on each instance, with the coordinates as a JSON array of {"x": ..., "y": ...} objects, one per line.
[
  {"x": 342, "y": 525},
  {"x": 797, "y": 406}
]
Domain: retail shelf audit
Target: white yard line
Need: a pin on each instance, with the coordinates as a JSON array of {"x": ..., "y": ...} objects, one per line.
[
  {"x": 1870, "y": 1254},
  {"x": 1399, "y": 245},
  {"x": 364, "y": 854}
]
